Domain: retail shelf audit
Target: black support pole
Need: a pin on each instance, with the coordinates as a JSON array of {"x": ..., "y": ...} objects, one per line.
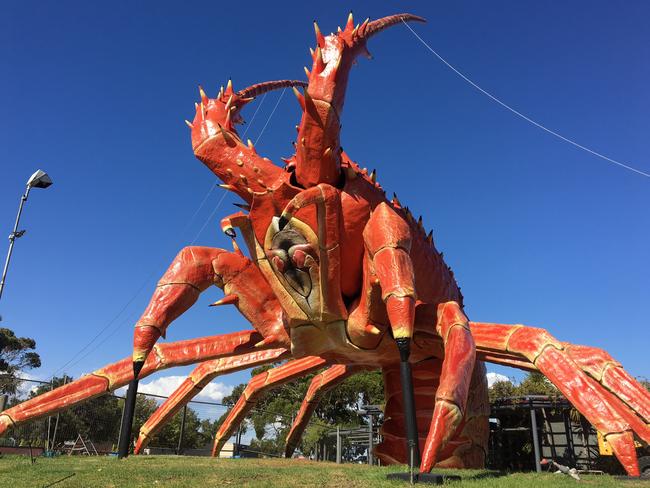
[
  {"x": 127, "y": 420},
  {"x": 409, "y": 403},
  {"x": 412, "y": 438},
  {"x": 179, "y": 449}
]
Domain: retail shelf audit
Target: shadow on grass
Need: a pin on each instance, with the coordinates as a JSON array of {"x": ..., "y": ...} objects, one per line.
[{"x": 485, "y": 475}]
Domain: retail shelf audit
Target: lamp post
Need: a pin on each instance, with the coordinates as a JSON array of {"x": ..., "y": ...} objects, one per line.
[{"x": 39, "y": 179}]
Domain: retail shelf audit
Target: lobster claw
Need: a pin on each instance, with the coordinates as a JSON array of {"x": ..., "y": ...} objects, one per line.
[{"x": 318, "y": 146}]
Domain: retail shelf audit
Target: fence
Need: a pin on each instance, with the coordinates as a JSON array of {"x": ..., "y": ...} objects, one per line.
[
  {"x": 513, "y": 445},
  {"x": 190, "y": 431},
  {"x": 97, "y": 423}
]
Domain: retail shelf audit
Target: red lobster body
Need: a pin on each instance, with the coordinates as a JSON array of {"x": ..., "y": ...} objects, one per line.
[
  {"x": 348, "y": 342},
  {"x": 341, "y": 278}
]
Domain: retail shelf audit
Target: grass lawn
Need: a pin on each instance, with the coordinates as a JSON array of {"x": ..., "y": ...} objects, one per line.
[{"x": 174, "y": 471}]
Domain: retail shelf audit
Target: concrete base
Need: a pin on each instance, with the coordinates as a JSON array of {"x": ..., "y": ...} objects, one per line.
[{"x": 429, "y": 478}]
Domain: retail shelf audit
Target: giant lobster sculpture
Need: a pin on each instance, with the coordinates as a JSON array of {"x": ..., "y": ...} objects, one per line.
[{"x": 342, "y": 279}]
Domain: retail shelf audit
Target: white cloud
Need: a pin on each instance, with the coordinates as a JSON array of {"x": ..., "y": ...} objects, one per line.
[
  {"x": 26, "y": 387},
  {"x": 215, "y": 392},
  {"x": 166, "y": 385},
  {"x": 492, "y": 378}
]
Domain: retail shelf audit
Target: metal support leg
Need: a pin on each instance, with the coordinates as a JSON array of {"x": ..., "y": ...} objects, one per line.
[
  {"x": 533, "y": 428},
  {"x": 127, "y": 420},
  {"x": 338, "y": 445},
  {"x": 182, "y": 432},
  {"x": 411, "y": 425},
  {"x": 370, "y": 439},
  {"x": 409, "y": 402}
]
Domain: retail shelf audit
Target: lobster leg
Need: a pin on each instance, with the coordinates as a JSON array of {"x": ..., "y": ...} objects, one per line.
[
  {"x": 118, "y": 374},
  {"x": 610, "y": 373},
  {"x": 198, "y": 379},
  {"x": 193, "y": 271},
  {"x": 256, "y": 387},
  {"x": 321, "y": 383},
  {"x": 603, "y": 409},
  {"x": 387, "y": 238},
  {"x": 455, "y": 377}
]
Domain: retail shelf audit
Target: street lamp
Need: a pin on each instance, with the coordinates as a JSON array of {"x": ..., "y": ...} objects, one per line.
[{"x": 40, "y": 179}]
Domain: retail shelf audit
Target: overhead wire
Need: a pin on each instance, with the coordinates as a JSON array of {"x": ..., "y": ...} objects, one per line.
[
  {"x": 73, "y": 360},
  {"x": 270, "y": 116},
  {"x": 133, "y": 297},
  {"x": 521, "y": 115}
]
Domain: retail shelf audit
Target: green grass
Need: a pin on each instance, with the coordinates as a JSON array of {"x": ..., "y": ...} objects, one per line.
[{"x": 173, "y": 471}]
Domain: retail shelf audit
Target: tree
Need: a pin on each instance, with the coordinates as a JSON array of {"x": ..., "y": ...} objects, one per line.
[
  {"x": 534, "y": 383},
  {"x": 501, "y": 389},
  {"x": 15, "y": 355},
  {"x": 274, "y": 413},
  {"x": 97, "y": 419},
  {"x": 196, "y": 433}
]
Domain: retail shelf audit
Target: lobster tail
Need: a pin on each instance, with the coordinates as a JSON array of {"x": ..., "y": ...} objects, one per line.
[{"x": 267, "y": 86}]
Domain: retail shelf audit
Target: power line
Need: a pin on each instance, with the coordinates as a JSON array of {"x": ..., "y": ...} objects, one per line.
[
  {"x": 223, "y": 195},
  {"x": 519, "y": 114},
  {"x": 72, "y": 362},
  {"x": 137, "y": 293},
  {"x": 270, "y": 116},
  {"x": 119, "y": 326},
  {"x": 259, "y": 105}
]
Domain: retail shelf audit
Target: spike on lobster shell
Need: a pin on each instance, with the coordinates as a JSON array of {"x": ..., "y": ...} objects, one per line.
[
  {"x": 350, "y": 24},
  {"x": 319, "y": 64},
  {"x": 267, "y": 341},
  {"x": 229, "y": 88},
  {"x": 227, "y": 300},
  {"x": 204, "y": 97},
  {"x": 320, "y": 39},
  {"x": 300, "y": 97}
]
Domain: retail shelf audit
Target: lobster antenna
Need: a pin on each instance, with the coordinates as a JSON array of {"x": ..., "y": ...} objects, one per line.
[
  {"x": 267, "y": 86},
  {"x": 376, "y": 26}
]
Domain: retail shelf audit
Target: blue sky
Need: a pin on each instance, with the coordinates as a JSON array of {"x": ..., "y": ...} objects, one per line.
[{"x": 537, "y": 231}]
